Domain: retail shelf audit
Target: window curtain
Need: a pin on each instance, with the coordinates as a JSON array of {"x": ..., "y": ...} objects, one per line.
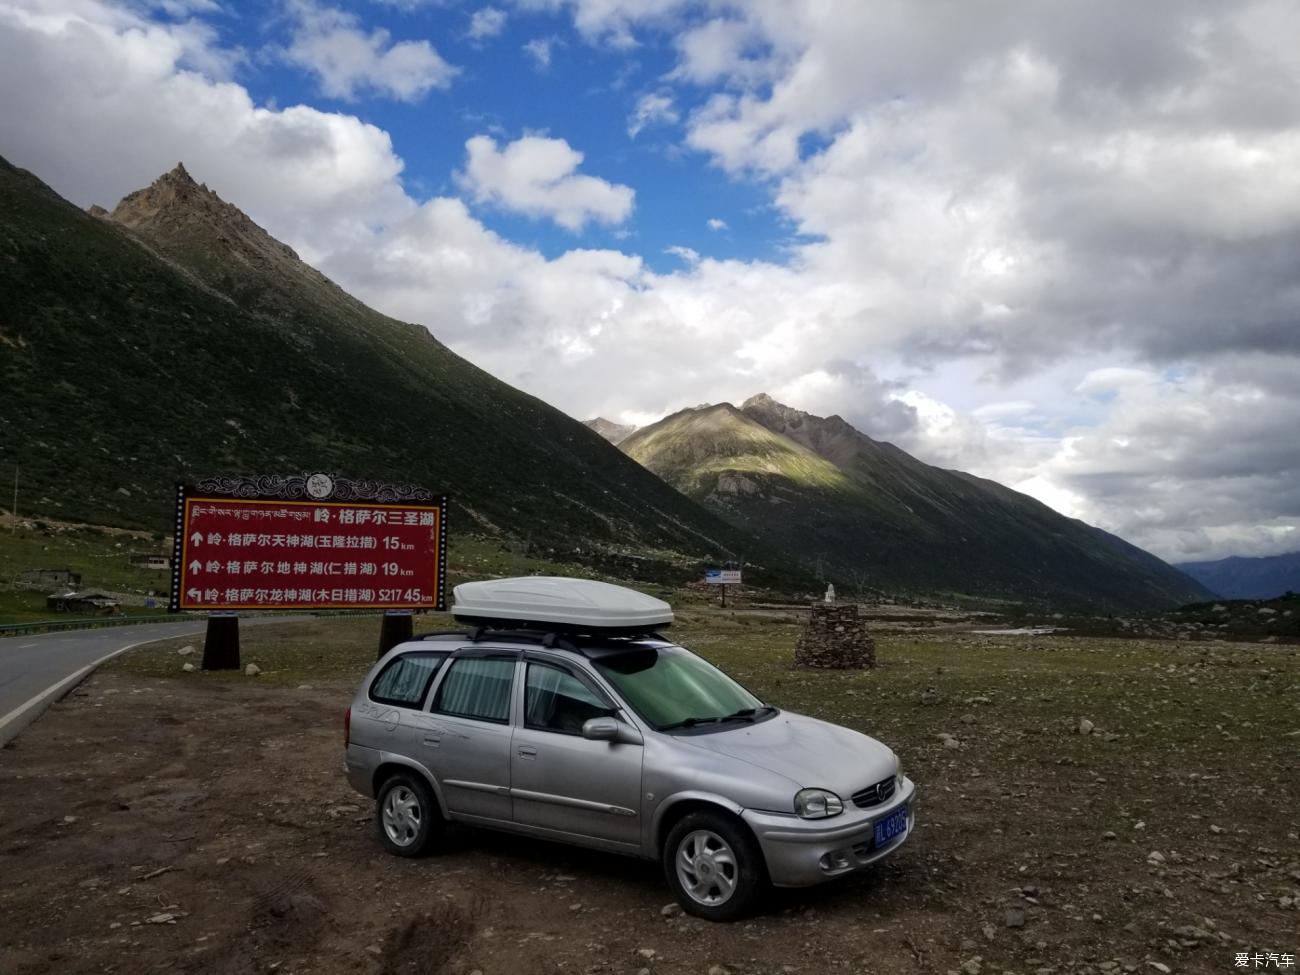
[{"x": 478, "y": 688}]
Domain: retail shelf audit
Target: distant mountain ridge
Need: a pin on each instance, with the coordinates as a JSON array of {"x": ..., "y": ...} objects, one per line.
[
  {"x": 1242, "y": 577},
  {"x": 615, "y": 433},
  {"x": 871, "y": 516},
  {"x": 174, "y": 337}
]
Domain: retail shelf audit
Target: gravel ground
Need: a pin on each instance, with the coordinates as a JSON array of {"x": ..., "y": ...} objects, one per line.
[{"x": 160, "y": 821}]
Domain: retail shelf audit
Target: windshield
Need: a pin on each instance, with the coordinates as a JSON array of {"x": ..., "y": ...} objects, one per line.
[{"x": 672, "y": 688}]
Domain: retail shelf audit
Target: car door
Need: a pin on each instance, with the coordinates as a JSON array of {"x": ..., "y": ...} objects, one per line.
[
  {"x": 466, "y": 742},
  {"x": 560, "y": 781}
]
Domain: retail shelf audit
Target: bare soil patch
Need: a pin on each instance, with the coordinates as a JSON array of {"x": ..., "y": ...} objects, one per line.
[{"x": 220, "y": 801}]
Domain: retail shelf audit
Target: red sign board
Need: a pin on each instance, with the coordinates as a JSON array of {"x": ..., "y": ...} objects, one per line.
[{"x": 239, "y": 553}]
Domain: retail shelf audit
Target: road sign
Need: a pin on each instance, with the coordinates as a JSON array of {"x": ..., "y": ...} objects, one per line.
[
  {"x": 722, "y": 577},
  {"x": 307, "y": 552}
]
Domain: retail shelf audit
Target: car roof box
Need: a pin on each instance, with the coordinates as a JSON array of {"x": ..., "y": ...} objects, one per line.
[{"x": 558, "y": 604}]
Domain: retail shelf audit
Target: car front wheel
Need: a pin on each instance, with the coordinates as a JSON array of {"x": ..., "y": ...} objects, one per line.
[
  {"x": 408, "y": 816},
  {"x": 714, "y": 866}
]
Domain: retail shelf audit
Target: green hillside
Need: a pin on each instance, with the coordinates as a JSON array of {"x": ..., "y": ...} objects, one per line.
[
  {"x": 175, "y": 338},
  {"x": 872, "y": 517}
]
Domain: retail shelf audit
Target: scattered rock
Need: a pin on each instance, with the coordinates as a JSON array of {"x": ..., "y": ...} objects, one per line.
[
  {"x": 1216, "y": 830},
  {"x": 1085, "y": 726},
  {"x": 1155, "y": 856},
  {"x": 373, "y": 949},
  {"x": 972, "y": 965},
  {"x": 252, "y": 670},
  {"x": 164, "y": 918},
  {"x": 1015, "y": 918},
  {"x": 968, "y": 719},
  {"x": 671, "y": 910},
  {"x": 188, "y": 667},
  {"x": 1159, "y": 966},
  {"x": 989, "y": 932},
  {"x": 1109, "y": 835},
  {"x": 184, "y": 651},
  {"x": 718, "y": 970},
  {"x": 646, "y": 953}
]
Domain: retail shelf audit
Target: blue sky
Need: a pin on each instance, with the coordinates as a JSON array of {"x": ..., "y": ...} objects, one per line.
[
  {"x": 1050, "y": 244},
  {"x": 585, "y": 94}
]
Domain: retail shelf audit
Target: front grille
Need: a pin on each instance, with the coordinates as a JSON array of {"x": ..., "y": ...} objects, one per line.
[{"x": 874, "y": 795}]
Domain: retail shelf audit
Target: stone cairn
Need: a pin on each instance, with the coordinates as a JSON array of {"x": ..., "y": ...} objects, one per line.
[{"x": 835, "y": 639}]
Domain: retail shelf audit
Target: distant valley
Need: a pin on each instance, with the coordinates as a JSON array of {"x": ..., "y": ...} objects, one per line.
[{"x": 1248, "y": 578}]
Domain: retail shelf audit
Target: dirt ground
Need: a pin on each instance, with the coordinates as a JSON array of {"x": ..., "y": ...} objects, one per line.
[{"x": 160, "y": 823}]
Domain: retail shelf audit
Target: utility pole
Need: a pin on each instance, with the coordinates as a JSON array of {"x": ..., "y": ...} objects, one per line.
[{"x": 13, "y": 526}]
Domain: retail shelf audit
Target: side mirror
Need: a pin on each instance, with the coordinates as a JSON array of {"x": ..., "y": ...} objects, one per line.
[
  {"x": 600, "y": 729},
  {"x": 611, "y": 730}
]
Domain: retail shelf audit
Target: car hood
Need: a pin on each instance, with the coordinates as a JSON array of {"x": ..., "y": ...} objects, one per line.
[{"x": 808, "y": 752}]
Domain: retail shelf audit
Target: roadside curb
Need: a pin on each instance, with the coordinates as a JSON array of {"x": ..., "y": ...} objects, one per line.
[{"x": 15, "y": 721}]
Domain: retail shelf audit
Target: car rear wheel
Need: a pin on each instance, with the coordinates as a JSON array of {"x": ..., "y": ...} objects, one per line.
[
  {"x": 407, "y": 814},
  {"x": 714, "y": 866}
]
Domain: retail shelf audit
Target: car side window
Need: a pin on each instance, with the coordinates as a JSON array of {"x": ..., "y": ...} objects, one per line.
[
  {"x": 556, "y": 700},
  {"x": 406, "y": 679},
  {"x": 477, "y": 687}
]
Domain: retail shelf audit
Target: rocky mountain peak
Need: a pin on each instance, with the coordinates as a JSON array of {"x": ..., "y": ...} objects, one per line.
[
  {"x": 175, "y": 206},
  {"x": 615, "y": 433}
]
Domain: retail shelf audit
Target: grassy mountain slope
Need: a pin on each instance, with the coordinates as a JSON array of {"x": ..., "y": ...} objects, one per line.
[
  {"x": 176, "y": 338},
  {"x": 873, "y": 516},
  {"x": 1238, "y": 577}
]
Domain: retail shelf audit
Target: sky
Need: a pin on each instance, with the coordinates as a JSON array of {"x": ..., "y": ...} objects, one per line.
[{"x": 1057, "y": 245}]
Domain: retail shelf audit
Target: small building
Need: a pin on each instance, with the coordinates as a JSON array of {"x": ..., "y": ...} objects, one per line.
[
  {"x": 159, "y": 563},
  {"x": 71, "y": 601},
  {"x": 47, "y": 578}
]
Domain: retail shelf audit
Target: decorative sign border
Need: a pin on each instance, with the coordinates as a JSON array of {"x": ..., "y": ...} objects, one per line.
[{"x": 304, "y": 487}]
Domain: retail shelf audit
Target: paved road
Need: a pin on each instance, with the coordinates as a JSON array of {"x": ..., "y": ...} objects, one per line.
[{"x": 36, "y": 670}]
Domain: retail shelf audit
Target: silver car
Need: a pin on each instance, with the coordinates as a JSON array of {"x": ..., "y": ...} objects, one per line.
[{"x": 628, "y": 744}]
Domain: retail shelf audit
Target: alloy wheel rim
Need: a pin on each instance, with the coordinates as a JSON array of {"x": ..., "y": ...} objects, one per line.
[
  {"x": 707, "y": 867},
  {"x": 402, "y": 816}
]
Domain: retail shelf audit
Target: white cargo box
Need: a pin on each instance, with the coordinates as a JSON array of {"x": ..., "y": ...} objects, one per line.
[{"x": 556, "y": 602}]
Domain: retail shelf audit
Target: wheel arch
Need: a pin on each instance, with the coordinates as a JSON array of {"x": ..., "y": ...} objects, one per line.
[
  {"x": 672, "y": 810},
  {"x": 391, "y": 764}
]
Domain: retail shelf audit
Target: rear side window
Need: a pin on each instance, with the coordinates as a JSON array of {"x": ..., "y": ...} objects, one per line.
[
  {"x": 477, "y": 687},
  {"x": 406, "y": 679}
]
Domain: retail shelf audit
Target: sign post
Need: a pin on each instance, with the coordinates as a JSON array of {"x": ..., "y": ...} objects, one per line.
[
  {"x": 723, "y": 578},
  {"x": 305, "y": 542}
]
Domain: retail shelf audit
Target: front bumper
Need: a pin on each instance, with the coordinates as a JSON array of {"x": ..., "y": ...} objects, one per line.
[{"x": 802, "y": 852}]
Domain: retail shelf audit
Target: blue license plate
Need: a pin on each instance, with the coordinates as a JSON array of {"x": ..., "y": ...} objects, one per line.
[{"x": 892, "y": 826}]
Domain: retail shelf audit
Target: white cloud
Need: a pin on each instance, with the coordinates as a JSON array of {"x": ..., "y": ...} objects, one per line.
[
  {"x": 538, "y": 177},
  {"x": 539, "y": 50},
  {"x": 687, "y": 254},
  {"x": 349, "y": 60},
  {"x": 1052, "y": 247},
  {"x": 651, "y": 109},
  {"x": 487, "y": 22}
]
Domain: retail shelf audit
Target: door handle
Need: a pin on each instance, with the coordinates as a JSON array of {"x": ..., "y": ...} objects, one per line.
[
  {"x": 527, "y": 751},
  {"x": 432, "y": 740}
]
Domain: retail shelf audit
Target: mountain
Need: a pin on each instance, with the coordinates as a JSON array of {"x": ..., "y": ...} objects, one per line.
[
  {"x": 871, "y": 516},
  {"x": 615, "y": 433},
  {"x": 174, "y": 337},
  {"x": 1239, "y": 577}
]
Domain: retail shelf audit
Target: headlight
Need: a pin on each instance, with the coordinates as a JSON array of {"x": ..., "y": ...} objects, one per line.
[{"x": 817, "y": 804}]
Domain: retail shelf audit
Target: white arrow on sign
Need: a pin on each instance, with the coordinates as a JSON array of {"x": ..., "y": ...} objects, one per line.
[
  {"x": 196, "y": 538},
  {"x": 194, "y": 595},
  {"x": 196, "y": 565}
]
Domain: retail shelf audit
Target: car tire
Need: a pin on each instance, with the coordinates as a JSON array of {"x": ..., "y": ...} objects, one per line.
[
  {"x": 714, "y": 866},
  {"x": 407, "y": 816}
]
